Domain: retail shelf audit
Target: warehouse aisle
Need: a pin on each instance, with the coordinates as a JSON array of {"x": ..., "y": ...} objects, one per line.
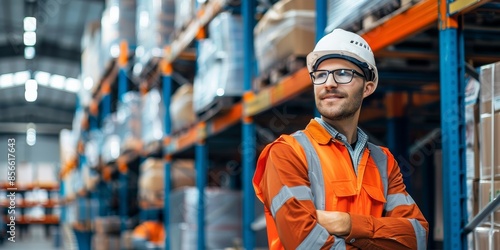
[{"x": 34, "y": 238}]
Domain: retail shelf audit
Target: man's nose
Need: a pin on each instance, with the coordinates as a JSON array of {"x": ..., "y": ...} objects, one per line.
[{"x": 330, "y": 81}]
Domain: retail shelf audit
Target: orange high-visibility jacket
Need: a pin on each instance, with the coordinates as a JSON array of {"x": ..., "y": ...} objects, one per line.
[{"x": 383, "y": 215}]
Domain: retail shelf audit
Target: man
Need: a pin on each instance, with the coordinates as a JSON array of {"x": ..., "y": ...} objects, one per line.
[{"x": 326, "y": 187}]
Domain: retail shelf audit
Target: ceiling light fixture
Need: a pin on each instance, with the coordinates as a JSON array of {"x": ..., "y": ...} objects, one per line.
[
  {"x": 29, "y": 24},
  {"x": 30, "y": 95},
  {"x": 31, "y": 134},
  {"x": 42, "y": 77},
  {"x": 29, "y": 53},
  {"x": 29, "y": 38}
]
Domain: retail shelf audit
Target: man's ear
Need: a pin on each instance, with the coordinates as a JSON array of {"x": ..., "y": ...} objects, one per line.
[{"x": 370, "y": 87}]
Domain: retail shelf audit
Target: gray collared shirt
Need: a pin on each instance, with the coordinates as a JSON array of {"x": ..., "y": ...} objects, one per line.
[{"x": 355, "y": 153}]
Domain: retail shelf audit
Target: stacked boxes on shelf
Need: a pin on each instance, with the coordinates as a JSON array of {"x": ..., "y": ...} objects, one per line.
[
  {"x": 151, "y": 183},
  {"x": 283, "y": 37},
  {"x": 155, "y": 26},
  {"x": 185, "y": 11},
  {"x": 489, "y": 127},
  {"x": 128, "y": 117},
  {"x": 222, "y": 218},
  {"x": 472, "y": 149},
  {"x": 220, "y": 65},
  {"x": 151, "y": 180},
  {"x": 118, "y": 24},
  {"x": 152, "y": 111},
  {"x": 106, "y": 233},
  {"x": 91, "y": 45},
  {"x": 181, "y": 107},
  {"x": 360, "y": 15}
]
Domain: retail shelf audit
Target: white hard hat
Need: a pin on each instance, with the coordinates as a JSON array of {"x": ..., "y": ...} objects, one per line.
[{"x": 345, "y": 45}]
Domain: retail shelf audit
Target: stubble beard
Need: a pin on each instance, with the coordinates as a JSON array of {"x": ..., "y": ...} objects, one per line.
[{"x": 347, "y": 109}]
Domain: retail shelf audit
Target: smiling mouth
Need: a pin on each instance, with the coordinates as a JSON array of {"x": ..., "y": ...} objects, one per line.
[{"x": 329, "y": 97}]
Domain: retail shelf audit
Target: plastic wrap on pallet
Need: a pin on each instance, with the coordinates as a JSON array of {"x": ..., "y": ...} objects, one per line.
[
  {"x": 67, "y": 144},
  {"x": 285, "y": 21},
  {"x": 222, "y": 218},
  {"x": 118, "y": 24},
  {"x": 349, "y": 14},
  {"x": 129, "y": 121},
  {"x": 93, "y": 147},
  {"x": 110, "y": 149},
  {"x": 155, "y": 26},
  {"x": 91, "y": 54},
  {"x": 220, "y": 62},
  {"x": 185, "y": 11},
  {"x": 181, "y": 107},
  {"x": 274, "y": 33},
  {"x": 151, "y": 115}
]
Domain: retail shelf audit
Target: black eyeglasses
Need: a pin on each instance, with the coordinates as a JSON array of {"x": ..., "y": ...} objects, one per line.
[{"x": 341, "y": 76}]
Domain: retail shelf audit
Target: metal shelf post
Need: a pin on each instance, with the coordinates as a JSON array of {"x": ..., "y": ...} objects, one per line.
[
  {"x": 122, "y": 71},
  {"x": 166, "y": 91},
  {"x": 452, "y": 125},
  {"x": 123, "y": 177},
  {"x": 321, "y": 16},
  {"x": 201, "y": 160},
  {"x": 397, "y": 132},
  {"x": 248, "y": 127}
]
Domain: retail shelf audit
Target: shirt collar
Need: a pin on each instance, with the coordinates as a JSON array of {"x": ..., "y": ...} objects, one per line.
[{"x": 362, "y": 137}]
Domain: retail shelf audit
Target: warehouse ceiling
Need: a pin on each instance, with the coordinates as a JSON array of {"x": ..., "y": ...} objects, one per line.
[{"x": 55, "y": 64}]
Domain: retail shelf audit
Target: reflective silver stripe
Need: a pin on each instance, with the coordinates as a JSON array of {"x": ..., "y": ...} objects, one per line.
[
  {"x": 316, "y": 238},
  {"x": 299, "y": 192},
  {"x": 339, "y": 244},
  {"x": 380, "y": 160},
  {"x": 394, "y": 200},
  {"x": 420, "y": 234},
  {"x": 314, "y": 169}
]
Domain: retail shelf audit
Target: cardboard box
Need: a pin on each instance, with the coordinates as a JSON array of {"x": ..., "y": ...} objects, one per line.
[
  {"x": 483, "y": 235},
  {"x": 107, "y": 225},
  {"x": 288, "y": 28},
  {"x": 485, "y": 196},
  {"x": 490, "y": 87},
  {"x": 126, "y": 240},
  {"x": 490, "y": 145},
  {"x": 105, "y": 242},
  {"x": 438, "y": 198},
  {"x": 472, "y": 198},
  {"x": 472, "y": 142}
]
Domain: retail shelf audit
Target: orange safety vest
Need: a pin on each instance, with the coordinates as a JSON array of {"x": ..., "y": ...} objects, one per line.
[{"x": 334, "y": 184}]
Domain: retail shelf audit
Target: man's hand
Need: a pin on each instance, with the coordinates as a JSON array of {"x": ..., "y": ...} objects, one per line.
[{"x": 336, "y": 223}]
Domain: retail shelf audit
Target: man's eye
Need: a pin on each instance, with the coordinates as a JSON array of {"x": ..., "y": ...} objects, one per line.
[
  {"x": 321, "y": 74},
  {"x": 344, "y": 73}
]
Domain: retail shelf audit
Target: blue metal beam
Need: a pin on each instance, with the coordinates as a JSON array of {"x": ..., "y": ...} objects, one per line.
[
  {"x": 452, "y": 121},
  {"x": 122, "y": 83},
  {"x": 248, "y": 127},
  {"x": 166, "y": 90},
  {"x": 123, "y": 178},
  {"x": 201, "y": 160},
  {"x": 321, "y": 7}
]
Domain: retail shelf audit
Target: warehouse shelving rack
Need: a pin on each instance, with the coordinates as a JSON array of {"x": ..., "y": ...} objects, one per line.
[{"x": 256, "y": 106}]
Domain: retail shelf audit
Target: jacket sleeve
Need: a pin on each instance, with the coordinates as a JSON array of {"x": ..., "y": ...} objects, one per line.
[
  {"x": 286, "y": 193},
  {"x": 403, "y": 225}
]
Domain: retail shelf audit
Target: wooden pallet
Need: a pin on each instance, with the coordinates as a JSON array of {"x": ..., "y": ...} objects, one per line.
[
  {"x": 286, "y": 67},
  {"x": 219, "y": 105}
]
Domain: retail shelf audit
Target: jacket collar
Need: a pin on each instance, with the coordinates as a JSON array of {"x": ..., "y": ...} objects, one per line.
[
  {"x": 322, "y": 132},
  {"x": 318, "y": 132}
]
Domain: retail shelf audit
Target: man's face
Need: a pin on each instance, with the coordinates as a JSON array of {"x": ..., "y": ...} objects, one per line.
[{"x": 341, "y": 101}]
